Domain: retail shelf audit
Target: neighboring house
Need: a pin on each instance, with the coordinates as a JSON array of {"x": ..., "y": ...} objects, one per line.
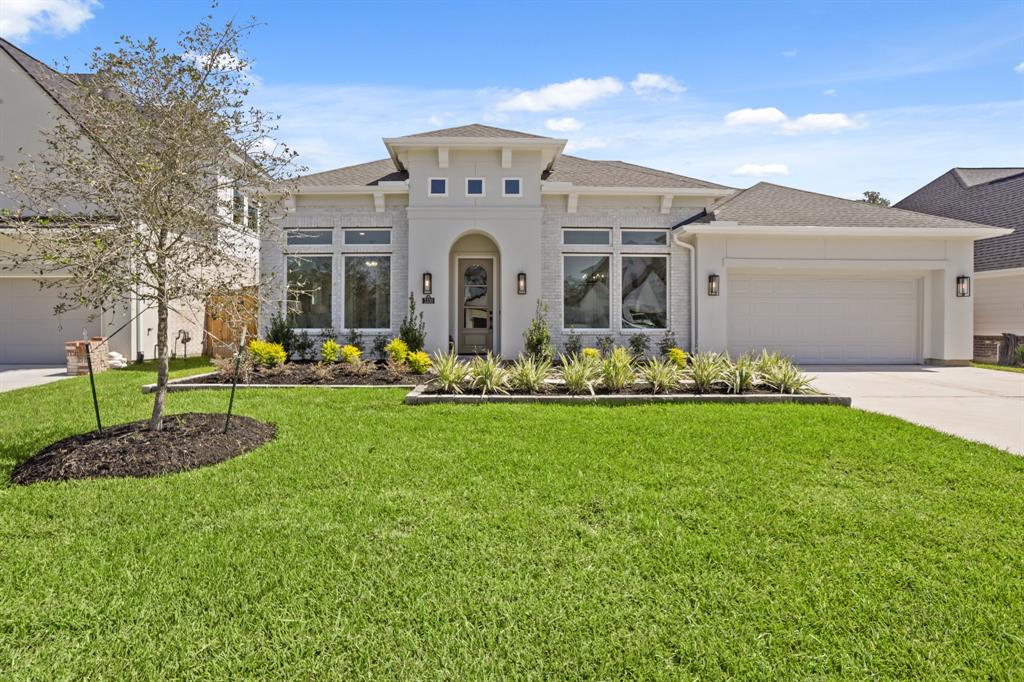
[
  {"x": 479, "y": 222},
  {"x": 32, "y": 97},
  {"x": 994, "y": 196}
]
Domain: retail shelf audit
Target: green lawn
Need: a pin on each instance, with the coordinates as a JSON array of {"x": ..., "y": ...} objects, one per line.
[
  {"x": 376, "y": 540},
  {"x": 1001, "y": 368}
]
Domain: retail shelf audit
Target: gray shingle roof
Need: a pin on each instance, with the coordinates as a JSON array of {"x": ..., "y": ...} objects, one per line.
[
  {"x": 58, "y": 86},
  {"x": 589, "y": 173},
  {"x": 769, "y": 204},
  {"x": 994, "y": 196},
  {"x": 368, "y": 174},
  {"x": 478, "y": 130}
]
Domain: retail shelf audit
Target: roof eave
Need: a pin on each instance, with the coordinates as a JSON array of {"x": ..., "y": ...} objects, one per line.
[
  {"x": 554, "y": 146},
  {"x": 724, "y": 228},
  {"x": 557, "y": 188}
]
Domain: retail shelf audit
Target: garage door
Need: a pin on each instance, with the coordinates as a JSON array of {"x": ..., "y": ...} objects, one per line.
[
  {"x": 29, "y": 331},
  {"x": 825, "y": 319}
]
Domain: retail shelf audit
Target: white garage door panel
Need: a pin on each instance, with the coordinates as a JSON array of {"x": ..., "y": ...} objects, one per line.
[
  {"x": 825, "y": 319},
  {"x": 29, "y": 331}
]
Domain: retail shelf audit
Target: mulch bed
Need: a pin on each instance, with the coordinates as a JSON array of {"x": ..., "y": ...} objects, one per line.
[
  {"x": 307, "y": 373},
  {"x": 187, "y": 441}
]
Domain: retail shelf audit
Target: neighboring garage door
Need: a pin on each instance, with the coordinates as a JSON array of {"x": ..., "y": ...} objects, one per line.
[
  {"x": 826, "y": 319},
  {"x": 29, "y": 331}
]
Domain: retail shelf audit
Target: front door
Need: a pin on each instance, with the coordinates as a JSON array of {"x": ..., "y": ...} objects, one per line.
[{"x": 476, "y": 305}]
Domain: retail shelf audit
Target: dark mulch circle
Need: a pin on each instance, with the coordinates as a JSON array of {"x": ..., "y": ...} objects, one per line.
[{"x": 187, "y": 441}]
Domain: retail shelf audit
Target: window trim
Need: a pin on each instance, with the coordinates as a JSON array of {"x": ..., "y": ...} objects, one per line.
[
  {"x": 287, "y": 299},
  {"x": 483, "y": 188},
  {"x": 344, "y": 291},
  {"x": 668, "y": 292},
  {"x": 346, "y": 230},
  {"x": 606, "y": 230},
  {"x": 611, "y": 290},
  {"x": 430, "y": 187},
  {"x": 506, "y": 194},
  {"x": 661, "y": 230}
]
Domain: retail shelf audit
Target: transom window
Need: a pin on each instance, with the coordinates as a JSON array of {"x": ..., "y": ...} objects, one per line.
[
  {"x": 474, "y": 187},
  {"x": 368, "y": 292},
  {"x": 438, "y": 187},
  {"x": 633, "y": 237},
  {"x": 309, "y": 237},
  {"x": 309, "y": 292},
  {"x": 587, "y": 236},
  {"x": 586, "y": 291},
  {"x": 644, "y": 292},
  {"x": 359, "y": 235},
  {"x": 512, "y": 187}
]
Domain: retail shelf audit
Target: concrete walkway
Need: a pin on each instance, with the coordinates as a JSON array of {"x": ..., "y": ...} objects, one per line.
[
  {"x": 23, "y": 376},
  {"x": 982, "y": 405}
]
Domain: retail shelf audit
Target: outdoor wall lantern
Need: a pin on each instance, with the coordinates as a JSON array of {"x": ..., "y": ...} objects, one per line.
[
  {"x": 713, "y": 284},
  {"x": 963, "y": 286},
  {"x": 428, "y": 284},
  {"x": 521, "y": 283}
]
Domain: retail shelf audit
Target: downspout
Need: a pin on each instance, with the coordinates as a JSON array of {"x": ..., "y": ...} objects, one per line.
[{"x": 693, "y": 290}]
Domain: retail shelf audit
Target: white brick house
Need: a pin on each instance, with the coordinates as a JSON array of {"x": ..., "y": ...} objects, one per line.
[{"x": 478, "y": 223}]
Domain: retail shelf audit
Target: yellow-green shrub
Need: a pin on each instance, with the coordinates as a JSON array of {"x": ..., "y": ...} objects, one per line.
[
  {"x": 592, "y": 353},
  {"x": 329, "y": 351},
  {"x": 677, "y": 356},
  {"x": 396, "y": 350},
  {"x": 350, "y": 354},
  {"x": 419, "y": 362},
  {"x": 267, "y": 354}
]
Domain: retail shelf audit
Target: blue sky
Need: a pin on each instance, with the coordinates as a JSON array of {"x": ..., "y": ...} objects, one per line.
[{"x": 828, "y": 96}]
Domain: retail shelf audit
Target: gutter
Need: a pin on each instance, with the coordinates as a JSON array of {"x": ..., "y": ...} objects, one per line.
[{"x": 676, "y": 234}]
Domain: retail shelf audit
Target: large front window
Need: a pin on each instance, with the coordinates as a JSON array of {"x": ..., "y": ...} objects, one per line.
[
  {"x": 585, "y": 290},
  {"x": 368, "y": 292},
  {"x": 644, "y": 292},
  {"x": 309, "y": 291}
]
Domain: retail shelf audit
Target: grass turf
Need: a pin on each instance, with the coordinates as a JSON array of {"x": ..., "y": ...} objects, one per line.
[
  {"x": 373, "y": 539},
  {"x": 1001, "y": 368}
]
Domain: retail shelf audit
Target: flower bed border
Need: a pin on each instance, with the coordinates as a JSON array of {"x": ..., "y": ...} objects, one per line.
[
  {"x": 418, "y": 397},
  {"x": 189, "y": 384}
]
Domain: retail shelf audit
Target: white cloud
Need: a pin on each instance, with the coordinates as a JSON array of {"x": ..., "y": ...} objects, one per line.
[
  {"x": 225, "y": 62},
  {"x": 789, "y": 54},
  {"x": 748, "y": 116},
  {"x": 649, "y": 83},
  {"x": 563, "y": 125},
  {"x": 569, "y": 95},
  {"x": 761, "y": 169},
  {"x": 820, "y": 123},
  {"x": 1019, "y": 68},
  {"x": 586, "y": 143},
  {"x": 831, "y": 92},
  {"x": 19, "y": 19}
]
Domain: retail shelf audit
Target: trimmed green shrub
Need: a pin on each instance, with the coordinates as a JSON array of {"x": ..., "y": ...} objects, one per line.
[
  {"x": 605, "y": 344},
  {"x": 267, "y": 354},
  {"x": 354, "y": 339},
  {"x": 639, "y": 345},
  {"x": 573, "y": 343},
  {"x": 281, "y": 332},
  {"x": 413, "y": 330},
  {"x": 396, "y": 350},
  {"x": 350, "y": 354},
  {"x": 537, "y": 337},
  {"x": 330, "y": 350},
  {"x": 418, "y": 362},
  {"x": 302, "y": 346},
  {"x": 667, "y": 343}
]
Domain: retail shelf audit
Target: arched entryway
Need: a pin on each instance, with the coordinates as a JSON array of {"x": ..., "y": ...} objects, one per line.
[{"x": 475, "y": 296}]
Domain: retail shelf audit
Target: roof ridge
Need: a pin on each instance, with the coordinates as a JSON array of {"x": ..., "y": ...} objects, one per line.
[{"x": 514, "y": 133}]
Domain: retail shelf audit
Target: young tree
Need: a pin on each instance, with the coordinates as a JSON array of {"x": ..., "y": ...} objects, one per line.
[
  {"x": 876, "y": 198},
  {"x": 135, "y": 194}
]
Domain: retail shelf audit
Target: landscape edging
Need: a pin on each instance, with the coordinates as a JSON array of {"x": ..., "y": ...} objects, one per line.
[{"x": 187, "y": 384}]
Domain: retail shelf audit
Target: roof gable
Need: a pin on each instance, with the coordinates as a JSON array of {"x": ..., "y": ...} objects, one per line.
[{"x": 476, "y": 130}]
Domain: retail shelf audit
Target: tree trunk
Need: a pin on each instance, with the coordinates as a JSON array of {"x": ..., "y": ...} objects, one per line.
[{"x": 162, "y": 362}]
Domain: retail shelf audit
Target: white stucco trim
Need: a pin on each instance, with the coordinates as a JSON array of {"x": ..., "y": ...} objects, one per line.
[
  {"x": 833, "y": 264},
  {"x": 1007, "y": 272},
  {"x": 558, "y": 188},
  {"x": 821, "y": 231}
]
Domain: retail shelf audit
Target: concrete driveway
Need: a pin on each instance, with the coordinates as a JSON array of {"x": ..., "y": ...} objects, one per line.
[
  {"x": 978, "y": 404},
  {"x": 23, "y": 376}
]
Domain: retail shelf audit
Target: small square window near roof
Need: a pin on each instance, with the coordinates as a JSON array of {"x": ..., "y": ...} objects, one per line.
[
  {"x": 513, "y": 187},
  {"x": 474, "y": 186},
  {"x": 438, "y": 186}
]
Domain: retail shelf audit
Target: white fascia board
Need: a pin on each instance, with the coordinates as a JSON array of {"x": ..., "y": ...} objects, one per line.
[
  {"x": 569, "y": 188},
  {"x": 833, "y": 264},
  {"x": 719, "y": 228},
  {"x": 1005, "y": 272},
  {"x": 552, "y": 146},
  {"x": 393, "y": 187}
]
